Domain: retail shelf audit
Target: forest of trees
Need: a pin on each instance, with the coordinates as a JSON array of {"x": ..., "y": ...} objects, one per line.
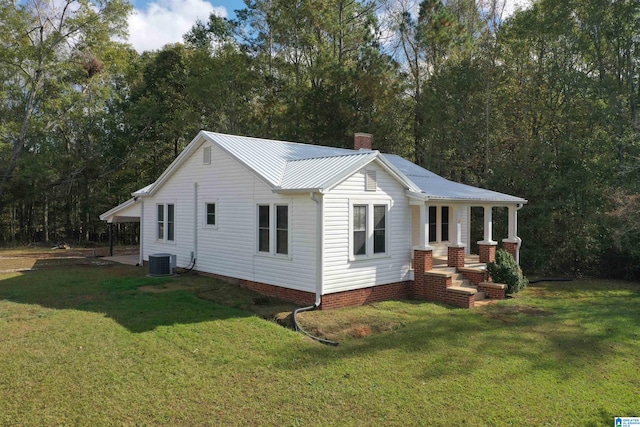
[{"x": 543, "y": 104}]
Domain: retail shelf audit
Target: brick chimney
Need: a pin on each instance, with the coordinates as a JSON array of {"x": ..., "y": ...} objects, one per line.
[{"x": 362, "y": 140}]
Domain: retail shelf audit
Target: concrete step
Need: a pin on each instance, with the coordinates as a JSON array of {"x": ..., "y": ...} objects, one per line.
[
  {"x": 457, "y": 276},
  {"x": 480, "y": 296},
  {"x": 464, "y": 283}
]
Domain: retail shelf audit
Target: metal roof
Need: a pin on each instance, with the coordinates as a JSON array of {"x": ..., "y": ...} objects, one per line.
[
  {"x": 319, "y": 172},
  {"x": 291, "y": 166},
  {"x": 127, "y": 211},
  {"x": 436, "y": 187},
  {"x": 269, "y": 158}
]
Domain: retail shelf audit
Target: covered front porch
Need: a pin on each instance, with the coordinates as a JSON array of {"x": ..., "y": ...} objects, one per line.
[{"x": 444, "y": 269}]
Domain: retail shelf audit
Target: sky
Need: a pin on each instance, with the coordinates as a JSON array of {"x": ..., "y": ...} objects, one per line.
[{"x": 155, "y": 23}]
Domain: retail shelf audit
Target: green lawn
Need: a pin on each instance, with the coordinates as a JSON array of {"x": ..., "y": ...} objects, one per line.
[{"x": 83, "y": 345}]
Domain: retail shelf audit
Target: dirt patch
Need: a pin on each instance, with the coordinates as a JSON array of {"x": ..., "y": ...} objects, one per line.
[
  {"x": 359, "y": 331},
  {"x": 165, "y": 287}
]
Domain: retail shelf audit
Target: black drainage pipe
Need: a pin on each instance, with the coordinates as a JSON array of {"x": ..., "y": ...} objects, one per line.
[{"x": 313, "y": 337}]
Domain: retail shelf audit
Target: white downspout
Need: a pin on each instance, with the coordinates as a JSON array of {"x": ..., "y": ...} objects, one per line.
[
  {"x": 195, "y": 224},
  {"x": 319, "y": 247},
  {"x": 141, "y": 260}
]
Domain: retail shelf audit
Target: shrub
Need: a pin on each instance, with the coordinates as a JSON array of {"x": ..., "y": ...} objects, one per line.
[{"x": 506, "y": 271}]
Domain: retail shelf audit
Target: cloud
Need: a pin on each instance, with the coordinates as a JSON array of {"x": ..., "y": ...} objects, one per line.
[
  {"x": 165, "y": 21},
  {"x": 511, "y": 6}
]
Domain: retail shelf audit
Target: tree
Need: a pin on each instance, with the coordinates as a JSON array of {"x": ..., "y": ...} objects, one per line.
[{"x": 42, "y": 45}]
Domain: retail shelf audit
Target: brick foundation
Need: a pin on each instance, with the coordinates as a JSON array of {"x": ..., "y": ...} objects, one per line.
[
  {"x": 510, "y": 247},
  {"x": 455, "y": 256},
  {"x": 487, "y": 253},
  {"x": 362, "y": 296},
  {"x": 291, "y": 295},
  {"x": 399, "y": 290}
]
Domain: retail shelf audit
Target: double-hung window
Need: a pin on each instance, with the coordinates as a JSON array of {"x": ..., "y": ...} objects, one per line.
[
  {"x": 210, "y": 215},
  {"x": 273, "y": 229},
  {"x": 369, "y": 233},
  {"x": 166, "y": 222}
]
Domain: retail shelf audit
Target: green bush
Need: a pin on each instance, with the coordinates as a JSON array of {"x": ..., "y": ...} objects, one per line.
[{"x": 506, "y": 271}]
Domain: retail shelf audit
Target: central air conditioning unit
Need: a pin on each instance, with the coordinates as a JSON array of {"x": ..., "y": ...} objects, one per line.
[{"x": 162, "y": 264}]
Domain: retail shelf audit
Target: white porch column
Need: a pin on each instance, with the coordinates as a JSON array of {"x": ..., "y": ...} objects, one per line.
[
  {"x": 488, "y": 227},
  {"x": 424, "y": 227},
  {"x": 457, "y": 219},
  {"x": 512, "y": 243},
  {"x": 456, "y": 251},
  {"x": 487, "y": 247}
]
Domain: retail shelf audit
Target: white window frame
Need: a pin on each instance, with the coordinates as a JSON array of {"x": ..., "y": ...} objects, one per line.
[
  {"x": 438, "y": 236},
  {"x": 273, "y": 230},
  {"x": 165, "y": 222},
  {"x": 370, "y": 203},
  {"x": 205, "y": 215}
]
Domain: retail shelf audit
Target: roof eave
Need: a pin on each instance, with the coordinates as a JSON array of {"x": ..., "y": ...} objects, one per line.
[{"x": 111, "y": 213}]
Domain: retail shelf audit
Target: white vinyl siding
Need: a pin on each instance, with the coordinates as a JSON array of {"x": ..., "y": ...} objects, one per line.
[
  {"x": 342, "y": 270},
  {"x": 232, "y": 249}
]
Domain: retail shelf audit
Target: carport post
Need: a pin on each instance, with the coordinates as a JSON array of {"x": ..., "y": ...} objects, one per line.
[{"x": 111, "y": 239}]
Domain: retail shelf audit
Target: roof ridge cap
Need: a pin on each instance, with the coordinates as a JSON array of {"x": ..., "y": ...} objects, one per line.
[{"x": 328, "y": 156}]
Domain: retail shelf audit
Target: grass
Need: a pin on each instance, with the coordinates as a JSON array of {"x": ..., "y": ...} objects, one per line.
[{"x": 92, "y": 344}]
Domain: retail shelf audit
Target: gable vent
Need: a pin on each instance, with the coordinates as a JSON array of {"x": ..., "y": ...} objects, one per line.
[
  {"x": 370, "y": 181},
  {"x": 206, "y": 156}
]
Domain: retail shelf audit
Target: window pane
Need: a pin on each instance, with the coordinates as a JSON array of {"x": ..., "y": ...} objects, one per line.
[
  {"x": 379, "y": 228},
  {"x": 211, "y": 214},
  {"x": 170, "y": 222},
  {"x": 170, "y": 231},
  {"x": 282, "y": 233},
  {"x": 445, "y": 223},
  {"x": 359, "y": 229},
  {"x": 263, "y": 214},
  {"x": 282, "y": 244},
  {"x": 359, "y": 242},
  {"x": 432, "y": 224},
  {"x": 360, "y": 217},
  {"x": 160, "y": 215},
  {"x": 379, "y": 217},
  {"x": 282, "y": 217},
  {"x": 263, "y": 240},
  {"x": 379, "y": 241}
]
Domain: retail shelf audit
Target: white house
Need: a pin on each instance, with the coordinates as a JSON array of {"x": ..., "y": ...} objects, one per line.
[{"x": 311, "y": 224}]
